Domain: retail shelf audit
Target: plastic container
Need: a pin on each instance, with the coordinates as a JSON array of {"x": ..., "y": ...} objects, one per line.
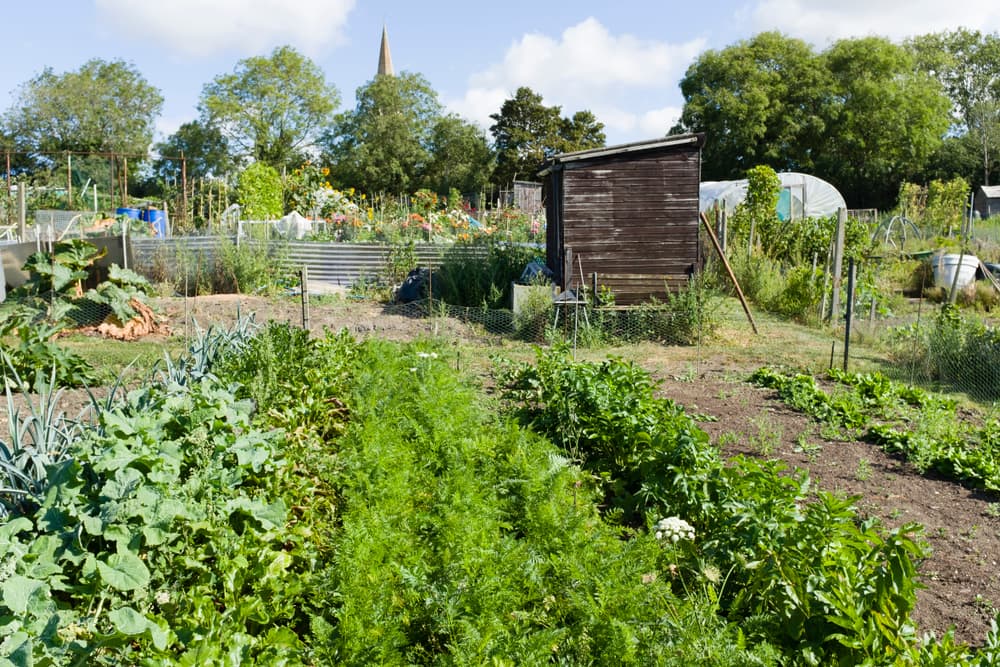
[
  {"x": 157, "y": 219},
  {"x": 133, "y": 213},
  {"x": 945, "y": 266}
]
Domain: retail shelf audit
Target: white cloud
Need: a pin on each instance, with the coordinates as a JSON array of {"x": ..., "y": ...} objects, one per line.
[
  {"x": 659, "y": 121},
  {"x": 206, "y": 27},
  {"x": 823, "y": 21},
  {"x": 166, "y": 126},
  {"x": 622, "y": 125},
  {"x": 583, "y": 69}
]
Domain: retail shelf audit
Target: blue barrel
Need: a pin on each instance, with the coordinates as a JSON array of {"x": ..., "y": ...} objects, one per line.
[
  {"x": 157, "y": 219},
  {"x": 133, "y": 213}
]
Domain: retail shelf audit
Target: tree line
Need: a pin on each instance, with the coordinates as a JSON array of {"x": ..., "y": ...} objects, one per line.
[
  {"x": 279, "y": 110},
  {"x": 866, "y": 114}
]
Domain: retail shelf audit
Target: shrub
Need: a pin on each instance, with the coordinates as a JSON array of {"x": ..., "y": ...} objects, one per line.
[
  {"x": 259, "y": 192},
  {"x": 468, "y": 278},
  {"x": 759, "y": 277},
  {"x": 801, "y": 296},
  {"x": 953, "y": 350},
  {"x": 757, "y": 215},
  {"x": 532, "y": 320}
]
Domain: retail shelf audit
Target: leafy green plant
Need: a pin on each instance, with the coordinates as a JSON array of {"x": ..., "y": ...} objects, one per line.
[
  {"x": 210, "y": 347},
  {"x": 248, "y": 268},
  {"x": 162, "y": 537},
  {"x": 38, "y": 442},
  {"x": 903, "y": 420},
  {"x": 259, "y": 192},
  {"x": 469, "y": 540},
  {"x": 533, "y": 319},
  {"x": 35, "y": 356},
  {"x": 61, "y": 271},
  {"x": 756, "y": 220},
  {"x": 53, "y": 300},
  {"x": 759, "y": 525},
  {"x": 468, "y": 278},
  {"x": 119, "y": 296},
  {"x": 801, "y": 296},
  {"x": 801, "y": 392}
]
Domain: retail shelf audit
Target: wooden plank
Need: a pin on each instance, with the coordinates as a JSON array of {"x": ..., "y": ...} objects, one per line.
[{"x": 638, "y": 276}]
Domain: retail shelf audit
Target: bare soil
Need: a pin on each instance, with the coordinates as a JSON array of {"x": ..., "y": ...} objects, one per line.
[{"x": 962, "y": 527}]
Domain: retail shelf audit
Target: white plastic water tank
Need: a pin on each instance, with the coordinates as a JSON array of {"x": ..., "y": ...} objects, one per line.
[{"x": 945, "y": 266}]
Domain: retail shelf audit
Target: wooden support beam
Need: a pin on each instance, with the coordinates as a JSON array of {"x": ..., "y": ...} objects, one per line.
[{"x": 729, "y": 270}]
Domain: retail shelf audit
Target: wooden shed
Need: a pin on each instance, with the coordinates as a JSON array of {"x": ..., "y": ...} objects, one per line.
[
  {"x": 987, "y": 201},
  {"x": 627, "y": 213}
]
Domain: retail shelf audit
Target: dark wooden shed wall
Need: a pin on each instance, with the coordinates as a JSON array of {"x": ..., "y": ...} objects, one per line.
[
  {"x": 987, "y": 201},
  {"x": 632, "y": 218}
]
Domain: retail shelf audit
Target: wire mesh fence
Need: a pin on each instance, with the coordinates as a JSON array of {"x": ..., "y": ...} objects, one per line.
[
  {"x": 937, "y": 347},
  {"x": 942, "y": 349},
  {"x": 939, "y": 350},
  {"x": 572, "y": 323}
]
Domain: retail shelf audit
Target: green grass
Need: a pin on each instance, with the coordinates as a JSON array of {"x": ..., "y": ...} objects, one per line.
[{"x": 111, "y": 357}]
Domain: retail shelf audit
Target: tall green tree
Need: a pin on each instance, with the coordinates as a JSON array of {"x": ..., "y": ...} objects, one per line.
[
  {"x": 760, "y": 101},
  {"x": 382, "y": 145},
  {"x": 967, "y": 63},
  {"x": 460, "y": 157},
  {"x": 203, "y": 147},
  {"x": 272, "y": 108},
  {"x": 526, "y": 132},
  {"x": 580, "y": 132},
  {"x": 886, "y": 122},
  {"x": 859, "y": 114},
  {"x": 102, "y": 107}
]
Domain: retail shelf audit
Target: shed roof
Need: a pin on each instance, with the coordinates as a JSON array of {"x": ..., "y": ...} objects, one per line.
[
  {"x": 622, "y": 149},
  {"x": 991, "y": 191}
]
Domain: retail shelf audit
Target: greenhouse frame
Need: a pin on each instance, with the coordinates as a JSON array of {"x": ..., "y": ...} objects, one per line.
[{"x": 802, "y": 196}]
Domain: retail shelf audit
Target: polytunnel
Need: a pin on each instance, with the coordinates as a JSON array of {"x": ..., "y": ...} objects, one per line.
[{"x": 802, "y": 196}]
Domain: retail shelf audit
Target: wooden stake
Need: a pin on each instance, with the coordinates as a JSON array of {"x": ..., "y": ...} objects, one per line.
[
  {"x": 184, "y": 188},
  {"x": 989, "y": 276},
  {"x": 838, "y": 265},
  {"x": 729, "y": 270}
]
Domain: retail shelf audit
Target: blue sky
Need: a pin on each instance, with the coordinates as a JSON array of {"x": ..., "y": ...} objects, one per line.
[{"x": 622, "y": 60}]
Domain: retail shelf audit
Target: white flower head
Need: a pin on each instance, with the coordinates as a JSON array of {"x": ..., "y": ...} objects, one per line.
[
  {"x": 427, "y": 355},
  {"x": 674, "y": 529}
]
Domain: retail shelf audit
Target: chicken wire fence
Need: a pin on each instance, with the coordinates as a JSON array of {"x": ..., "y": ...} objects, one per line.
[
  {"x": 60, "y": 311},
  {"x": 946, "y": 351},
  {"x": 571, "y": 322},
  {"x": 939, "y": 349}
]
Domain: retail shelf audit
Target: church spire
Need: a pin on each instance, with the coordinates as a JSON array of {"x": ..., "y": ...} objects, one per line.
[{"x": 384, "y": 57}]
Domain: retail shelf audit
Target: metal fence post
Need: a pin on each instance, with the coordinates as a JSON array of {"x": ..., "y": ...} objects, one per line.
[
  {"x": 305, "y": 297},
  {"x": 850, "y": 310},
  {"x": 22, "y": 211}
]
